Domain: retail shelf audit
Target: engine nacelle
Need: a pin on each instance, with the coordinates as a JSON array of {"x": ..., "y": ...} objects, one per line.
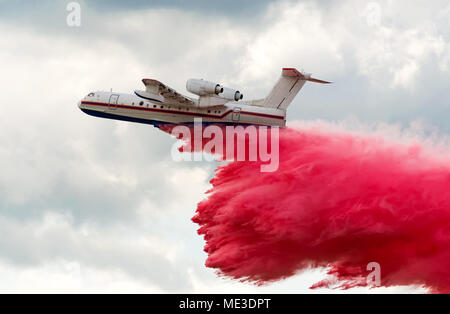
[
  {"x": 203, "y": 88},
  {"x": 231, "y": 94}
]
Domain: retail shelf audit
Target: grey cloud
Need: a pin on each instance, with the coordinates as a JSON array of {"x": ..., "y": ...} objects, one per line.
[
  {"x": 50, "y": 14},
  {"x": 231, "y": 8},
  {"x": 105, "y": 174},
  {"x": 34, "y": 244}
]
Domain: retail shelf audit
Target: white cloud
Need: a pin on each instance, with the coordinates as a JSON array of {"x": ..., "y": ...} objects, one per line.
[
  {"x": 395, "y": 56},
  {"x": 292, "y": 35},
  {"x": 97, "y": 205}
]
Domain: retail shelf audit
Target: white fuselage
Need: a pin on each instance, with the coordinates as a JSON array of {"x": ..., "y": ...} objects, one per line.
[{"x": 129, "y": 107}]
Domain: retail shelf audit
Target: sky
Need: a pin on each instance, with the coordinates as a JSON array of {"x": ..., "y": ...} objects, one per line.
[{"x": 93, "y": 205}]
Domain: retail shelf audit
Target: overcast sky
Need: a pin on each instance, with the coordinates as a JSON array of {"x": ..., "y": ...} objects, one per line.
[{"x": 96, "y": 205}]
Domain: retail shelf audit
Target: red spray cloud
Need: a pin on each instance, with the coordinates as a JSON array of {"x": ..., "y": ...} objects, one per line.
[{"x": 338, "y": 200}]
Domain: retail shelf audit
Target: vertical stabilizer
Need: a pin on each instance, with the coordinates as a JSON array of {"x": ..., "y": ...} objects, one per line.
[{"x": 287, "y": 87}]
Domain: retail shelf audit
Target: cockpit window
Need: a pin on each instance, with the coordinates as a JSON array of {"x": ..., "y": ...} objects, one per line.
[{"x": 91, "y": 95}]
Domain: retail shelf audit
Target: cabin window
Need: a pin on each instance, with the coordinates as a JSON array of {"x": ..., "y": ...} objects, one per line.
[
  {"x": 154, "y": 106},
  {"x": 162, "y": 107},
  {"x": 141, "y": 103},
  {"x": 91, "y": 95}
]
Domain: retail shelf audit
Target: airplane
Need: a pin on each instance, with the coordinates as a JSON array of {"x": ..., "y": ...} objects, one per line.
[{"x": 161, "y": 105}]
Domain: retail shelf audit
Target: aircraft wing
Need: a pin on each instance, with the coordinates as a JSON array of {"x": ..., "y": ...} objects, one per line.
[{"x": 170, "y": 95}]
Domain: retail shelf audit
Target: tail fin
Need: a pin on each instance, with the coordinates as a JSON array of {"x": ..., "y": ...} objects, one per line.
[{"x": 287, "y": 87}]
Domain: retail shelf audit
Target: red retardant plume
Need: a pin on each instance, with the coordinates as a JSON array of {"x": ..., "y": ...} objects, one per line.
[{"x": 338, "y": 200}]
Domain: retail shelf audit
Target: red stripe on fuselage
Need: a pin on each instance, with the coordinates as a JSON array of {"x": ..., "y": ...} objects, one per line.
[{"x": 263, "y": 115}]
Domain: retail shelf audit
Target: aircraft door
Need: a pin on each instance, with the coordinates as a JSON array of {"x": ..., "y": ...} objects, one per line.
[
  {"x": 113, "y": 100},
  {"x": 236, "y": 116}
]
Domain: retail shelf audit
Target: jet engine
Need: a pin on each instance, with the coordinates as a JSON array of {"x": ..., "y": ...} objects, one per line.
[
  {"x": 203, "y": 88},
  {"x": 231, "y": 94}
]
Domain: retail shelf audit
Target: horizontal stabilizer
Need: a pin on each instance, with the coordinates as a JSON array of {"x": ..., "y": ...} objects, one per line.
[{"x": 291, "y": 72}]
